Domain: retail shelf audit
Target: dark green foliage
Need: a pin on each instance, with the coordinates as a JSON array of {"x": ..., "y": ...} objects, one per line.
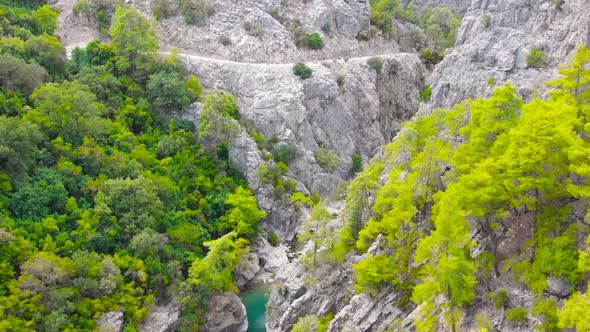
[
  {"x": 224, "y": 40},
  {"x": 340, "y": 80},
  {"x": 376, "y": 63},
  {"x": 18, "y": 145},
  {"x": 357, "y": 162},
  {"x": 103, "y": 84},
  {"x": 163, "y": 9},
  {"x": 284, "y": 153},
  {"x": 536, "y": 58},
  {"x": 167, "y": 92},
  {"x": 430, "y": 57},
  {"x": 302, "y": 71},
  {"x": 43, "y": 196},
  {"x": 273, "y": 239},
  {"x": 18, "y": 75},
  {"x": 196, "y": 11},
  {"x": 314, "y": 41},
  {"x": 487, "y": 21},
  {"x": 47, "y": 51}
]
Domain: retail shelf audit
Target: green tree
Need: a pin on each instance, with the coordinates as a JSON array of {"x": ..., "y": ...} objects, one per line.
[
  {"x": 103, "y": 84},
  {"x": 218, "y": 120},
  {"x": 314, "y": 41},
  {"x": 135, "y": 204},
  {"x": 18, "y": 145},
  {"x": 575, "y": 312},
  {"x": 168, "y": 92},
  {"x": 17, "y": 75},
  {"x": 69, "y": 110},
  {"x": 306, "y": 324},
  {"x": 315, "y": 229},
  {"x": 132, "y": 34},
  {"x": 44, "y": 195},
  {"x": 448, "y": 269},
  {"x": 244, "y": 215},
  {"x": 45, "y": 20},
  {"x": 214, "y": 271},
  {"x": 47, "y": 51}
]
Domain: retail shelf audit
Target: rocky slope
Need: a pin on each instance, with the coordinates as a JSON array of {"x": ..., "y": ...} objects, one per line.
[
  {"x": 360, "y": 116},
  {"x": 483, "y": 58},
  {"x": 494, "y": 42}
]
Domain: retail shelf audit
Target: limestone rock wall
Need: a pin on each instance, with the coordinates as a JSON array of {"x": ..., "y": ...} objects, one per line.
[{"x": 498, "y": 53}]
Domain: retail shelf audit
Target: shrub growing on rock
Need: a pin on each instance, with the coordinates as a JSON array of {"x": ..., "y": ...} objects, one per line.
[
  {"x": 376, "y": 63},
  {"x": 430, "y": 58},
  {"x": 284, "y": 153},
  {"x": 516, "y": 314},
  {"x": 196, "y": 11},
  {"x": 426, "y": 94},
  {"x": 536, "y": 58},
  {"x": 327, "y": 159},
  {"x": 314, "y": 41},
  {"x": 302, "y": 71}
]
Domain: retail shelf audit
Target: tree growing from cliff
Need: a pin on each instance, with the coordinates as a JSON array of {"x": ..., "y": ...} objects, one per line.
[
  {"x": 132, "y": 34},
  {"x": 244, "y": 215},
  {"x": 218, "y": 121},
  {"x": 315, "y": 229},
  {"x": 448, "y": 269}
]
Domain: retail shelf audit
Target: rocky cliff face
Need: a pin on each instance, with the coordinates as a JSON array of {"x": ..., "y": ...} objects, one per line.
[{"x": 493, "y": 44}]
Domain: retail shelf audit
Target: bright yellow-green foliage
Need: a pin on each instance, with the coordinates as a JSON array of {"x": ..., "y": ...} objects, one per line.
[
  {"x": 245, "y": 213},
  {"x": 575, "y": 312},
  {"x": 485, "y": 164}
]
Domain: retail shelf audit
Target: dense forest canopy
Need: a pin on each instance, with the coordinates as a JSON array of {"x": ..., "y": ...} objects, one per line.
[{"x": 107, "y": 199}]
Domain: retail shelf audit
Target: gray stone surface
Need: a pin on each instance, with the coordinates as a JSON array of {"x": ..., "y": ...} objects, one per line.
[
  {"x": 366, "y": 312},
  {"x": 226, "y": 314},
  {"x": 559, "y": 286},
  {"x": 500, "y": 51},
  {"x": 246, "y": 269},
  {"x": 111, "y": 321},
  {"x": 162, "y": 318}
]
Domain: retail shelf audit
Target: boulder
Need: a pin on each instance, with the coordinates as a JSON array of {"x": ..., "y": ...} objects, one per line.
[
  {"x": 162, "y": 318},
  {"x": 111, "y": 321},
  {"x": 226, "y": 314},
  {"x": 558, "y": 286},
  {"x": 246, "y": 269}
]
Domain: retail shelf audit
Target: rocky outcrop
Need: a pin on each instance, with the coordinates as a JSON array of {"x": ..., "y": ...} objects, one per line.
[
  {"x": 493, "y": 44},
  {"x": 362, "y": 114},
  {"x": 226, "y": 314},
  {"x": 559, "y": 286},
  {"x": 299, "y": 293},
  {"x": 246, "y": 269},
  {"x": 366, "y": 312},
  {"x": 111, "y": 321},
  {"x": 162, "y": 318},
  {"x": 456, "y": 6},
  {"x": 337, "y": 21}
]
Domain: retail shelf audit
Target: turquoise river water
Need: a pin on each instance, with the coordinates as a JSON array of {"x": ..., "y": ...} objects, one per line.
[{"x": 255, "y": 303}]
